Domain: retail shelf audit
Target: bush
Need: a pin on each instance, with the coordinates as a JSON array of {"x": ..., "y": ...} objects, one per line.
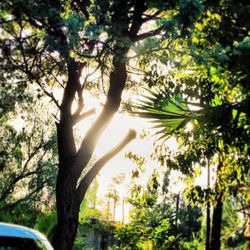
[{"x": 132, "y": 236}]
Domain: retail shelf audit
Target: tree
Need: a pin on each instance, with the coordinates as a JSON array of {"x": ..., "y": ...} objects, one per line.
[
  {"x": 114, "y": 195},
  {"x": 27, "y": 158},
  {"x": 217, "y": 85},
  {"x": 51, "y": 43},
  {"x": 173, "y": 114},
  {"x": 216, "y": 82}
]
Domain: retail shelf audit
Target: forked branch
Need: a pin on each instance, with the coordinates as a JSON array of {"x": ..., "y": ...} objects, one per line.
[{"x": 89, "y": 177}]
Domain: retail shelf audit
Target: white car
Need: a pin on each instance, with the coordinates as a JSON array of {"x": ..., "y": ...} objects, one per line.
[{"x": 14, "y": 237}]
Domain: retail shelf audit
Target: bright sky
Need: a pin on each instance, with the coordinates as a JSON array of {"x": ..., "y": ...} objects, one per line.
[{"x": 120, "y": 164}]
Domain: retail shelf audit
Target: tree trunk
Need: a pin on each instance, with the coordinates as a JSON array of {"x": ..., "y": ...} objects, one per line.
[
  {"x": 216, "y": 225},
  {"x": 208, "y": 222},
  {"x": 208, "y": 226},
  {"x": 123, "y": 210},
  {"x": 114, "y": 208},
  {"x": 67, "y": 216},
  {"x": 66, "y": 227},
  {"x": 177, "y": 213},
  {"x": 69, "y": 191}
]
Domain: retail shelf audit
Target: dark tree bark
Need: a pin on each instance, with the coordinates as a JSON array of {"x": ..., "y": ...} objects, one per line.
[
  {"x": 217, "y": 212},
  {"x": 216, "y": 225},
  {"x": 208, "y": 227},
  {"x": 208, "y": 221}
]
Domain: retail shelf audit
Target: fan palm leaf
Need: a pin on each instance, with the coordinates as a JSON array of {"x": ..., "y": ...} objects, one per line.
[{"x": 169, "y": 112}]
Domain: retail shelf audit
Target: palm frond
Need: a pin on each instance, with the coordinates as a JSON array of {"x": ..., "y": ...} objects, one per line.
[{"x": 169, "y": 112}]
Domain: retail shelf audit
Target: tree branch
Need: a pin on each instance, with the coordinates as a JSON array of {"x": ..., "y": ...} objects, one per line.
[
  {"x": 11, "y": 205},
  {"x": 32, "y": 154},
  {"x": 46, "y": 92},
  {"x": 82, "y": 116},
  {"x": 137, "y": 21},
  {"x": 118, "y": 78},
  {"x": 148, "y": 34},
  {"x": 151, "y": 17},
  {"x": 13, "y": 182},
  {"x": 88, "y": 178}
]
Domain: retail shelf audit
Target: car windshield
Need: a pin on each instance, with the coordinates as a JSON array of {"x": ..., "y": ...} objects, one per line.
[{"x": 16, "y": 243}]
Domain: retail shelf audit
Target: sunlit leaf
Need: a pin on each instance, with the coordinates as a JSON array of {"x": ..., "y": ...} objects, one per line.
[{"x": 168, "y": 112}]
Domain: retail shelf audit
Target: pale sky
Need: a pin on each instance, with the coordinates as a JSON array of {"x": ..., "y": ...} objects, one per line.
[{"x": 120, "y": 164}]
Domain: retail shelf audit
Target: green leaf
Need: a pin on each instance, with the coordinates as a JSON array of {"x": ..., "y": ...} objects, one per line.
[{"x": 168, "y": 112}]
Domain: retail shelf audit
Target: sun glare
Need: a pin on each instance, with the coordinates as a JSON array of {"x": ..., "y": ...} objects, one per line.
[{"x": 18, "y": 123}]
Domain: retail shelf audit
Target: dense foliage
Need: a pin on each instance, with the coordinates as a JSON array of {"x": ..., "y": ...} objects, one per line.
[
  {"x": 193, "y": 54},
  {"x": 27, "y": 158},
  {"x": 205, "y": 105}
]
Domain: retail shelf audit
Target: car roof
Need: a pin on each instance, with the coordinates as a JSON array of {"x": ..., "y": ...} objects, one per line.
[{"x": 11, "y": 230}]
